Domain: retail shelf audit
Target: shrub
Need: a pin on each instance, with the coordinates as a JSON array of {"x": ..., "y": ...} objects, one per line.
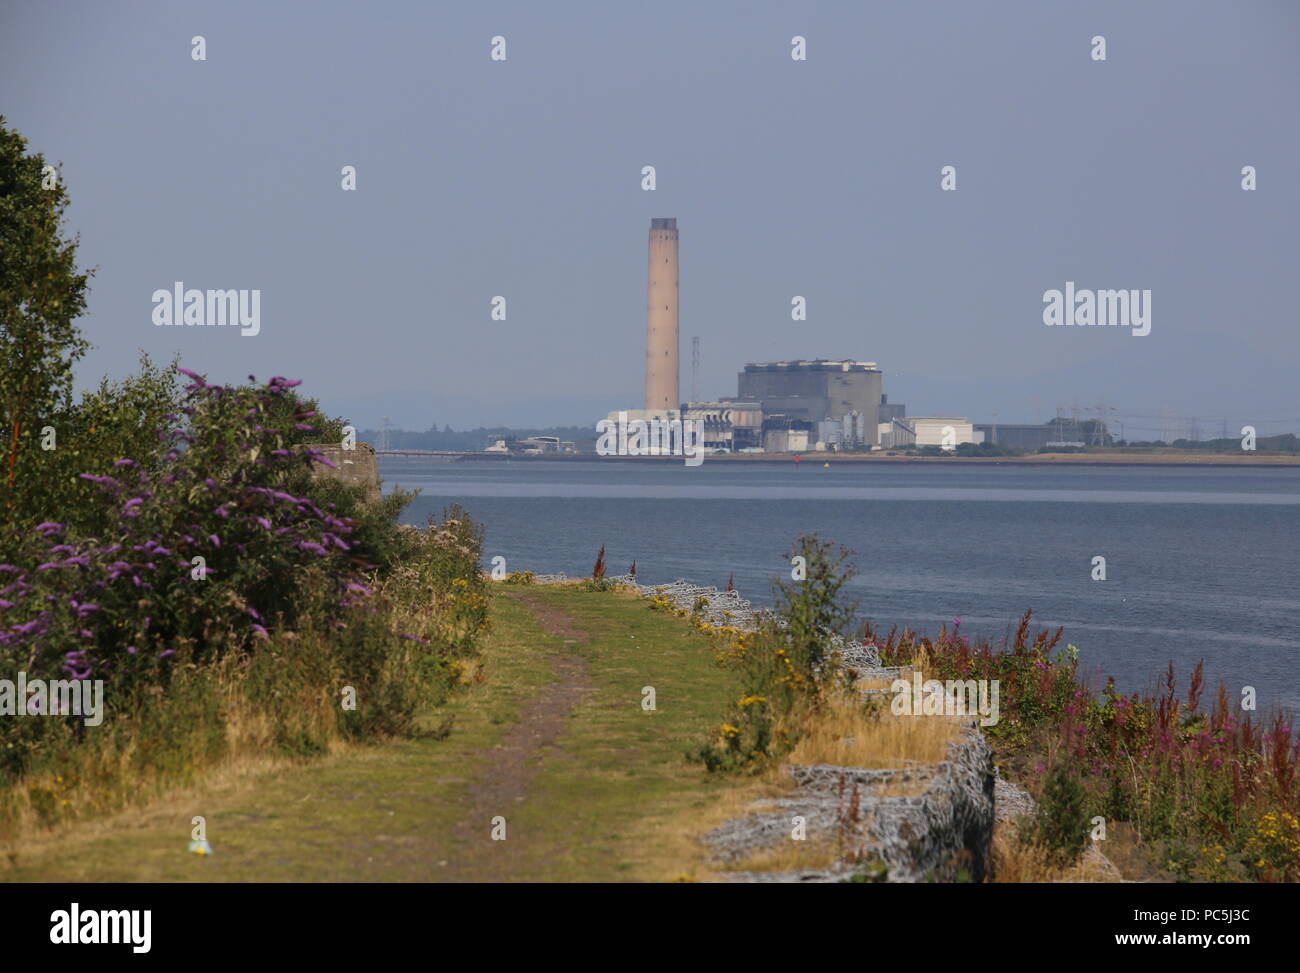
[
  {"x": 1060, "y": 823},
  {"x": 783, "y": 665}
]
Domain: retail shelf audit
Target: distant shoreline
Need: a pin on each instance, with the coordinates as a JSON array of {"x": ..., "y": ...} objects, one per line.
[{"x": 1273, "y": 461}]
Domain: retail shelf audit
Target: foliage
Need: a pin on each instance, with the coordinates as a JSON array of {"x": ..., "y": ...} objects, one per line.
[
  {"x": 1060, "y": 823},
  {"x": 398, "y": 651},
  {"x": 1197, "y": 784},
  {"x": 41, "y": 295},
  {"x": 784, "y": 665},
  {"x": 811, "y": 611},
  {"x": 118, "y": 420}
]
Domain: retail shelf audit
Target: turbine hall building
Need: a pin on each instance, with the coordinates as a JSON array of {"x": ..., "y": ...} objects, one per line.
[{"x": 816, "y": 390}]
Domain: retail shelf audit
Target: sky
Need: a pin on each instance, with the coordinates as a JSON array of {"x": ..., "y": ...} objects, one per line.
[{"x": 820, "y": 178}]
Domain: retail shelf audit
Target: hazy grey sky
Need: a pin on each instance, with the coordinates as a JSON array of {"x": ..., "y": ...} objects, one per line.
[{"x": 819, "y": 178}]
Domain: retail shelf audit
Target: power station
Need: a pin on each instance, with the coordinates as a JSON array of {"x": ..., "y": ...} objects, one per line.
[{"x": 786, "y": 406}]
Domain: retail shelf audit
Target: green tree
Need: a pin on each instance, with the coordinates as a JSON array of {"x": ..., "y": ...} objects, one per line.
[{"x": 41, "y": 295}]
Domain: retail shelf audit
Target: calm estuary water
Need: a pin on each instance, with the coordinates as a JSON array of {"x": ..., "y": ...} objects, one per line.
[{"x": 1201, "y": 563}]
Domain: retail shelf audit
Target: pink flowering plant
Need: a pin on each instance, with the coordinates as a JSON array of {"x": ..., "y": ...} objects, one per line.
[
  {"x": 1198, "y": 783},
  {"x": 206, "y": 545}
]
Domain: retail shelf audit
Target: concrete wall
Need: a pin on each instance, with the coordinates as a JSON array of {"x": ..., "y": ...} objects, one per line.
[{"x": 357, "y": 467}]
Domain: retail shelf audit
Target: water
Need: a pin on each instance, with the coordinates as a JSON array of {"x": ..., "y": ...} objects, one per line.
[{"x": 1201, "y": 563}]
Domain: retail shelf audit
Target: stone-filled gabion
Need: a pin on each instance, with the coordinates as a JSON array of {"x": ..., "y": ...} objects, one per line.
[{"x": 942, "y": 830}]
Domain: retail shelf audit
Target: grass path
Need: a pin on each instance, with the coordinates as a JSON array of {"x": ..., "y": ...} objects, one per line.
[{"x": 553, "y": 738}]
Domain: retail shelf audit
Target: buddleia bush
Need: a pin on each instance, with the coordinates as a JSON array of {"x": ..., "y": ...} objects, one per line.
[{"x": 201, "y": 551}]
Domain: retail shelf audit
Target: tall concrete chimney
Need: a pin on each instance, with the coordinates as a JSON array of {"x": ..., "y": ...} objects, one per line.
[{"x": 661, "y": 367}]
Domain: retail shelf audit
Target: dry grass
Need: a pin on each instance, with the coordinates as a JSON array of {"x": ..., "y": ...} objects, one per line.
[
  {"x": 848, "y": 734},
  {"x": 873, "y": 683},
  {"x": 817, "y": 851},
  {"x": 1015, "y": 861},
  {"x": 681, "y": 855},
  {"x": 94, "y": 783},
  {"x": 163, "y": 802}
]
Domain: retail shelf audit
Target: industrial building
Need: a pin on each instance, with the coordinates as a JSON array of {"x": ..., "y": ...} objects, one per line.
[
  {"x": 928, "y": 431},
  {"x": 815, "y": 390},
  {"x": 788, "y": 434},
  {"x": 729, "y": 424},
  {"x": 891, "y": 410},
  {"x": 531, "y": 446},
  {"x": 1031, "y": 438}
]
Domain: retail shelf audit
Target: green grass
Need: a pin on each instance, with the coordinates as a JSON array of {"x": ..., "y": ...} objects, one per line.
[
  {"x": 595, "y": 811},
  {"x": 596, "y": 817}
]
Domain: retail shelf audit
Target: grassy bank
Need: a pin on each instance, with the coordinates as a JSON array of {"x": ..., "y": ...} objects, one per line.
[
  {"x": 590, "y": 802},
  {"x": 293, "y": 694}
]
